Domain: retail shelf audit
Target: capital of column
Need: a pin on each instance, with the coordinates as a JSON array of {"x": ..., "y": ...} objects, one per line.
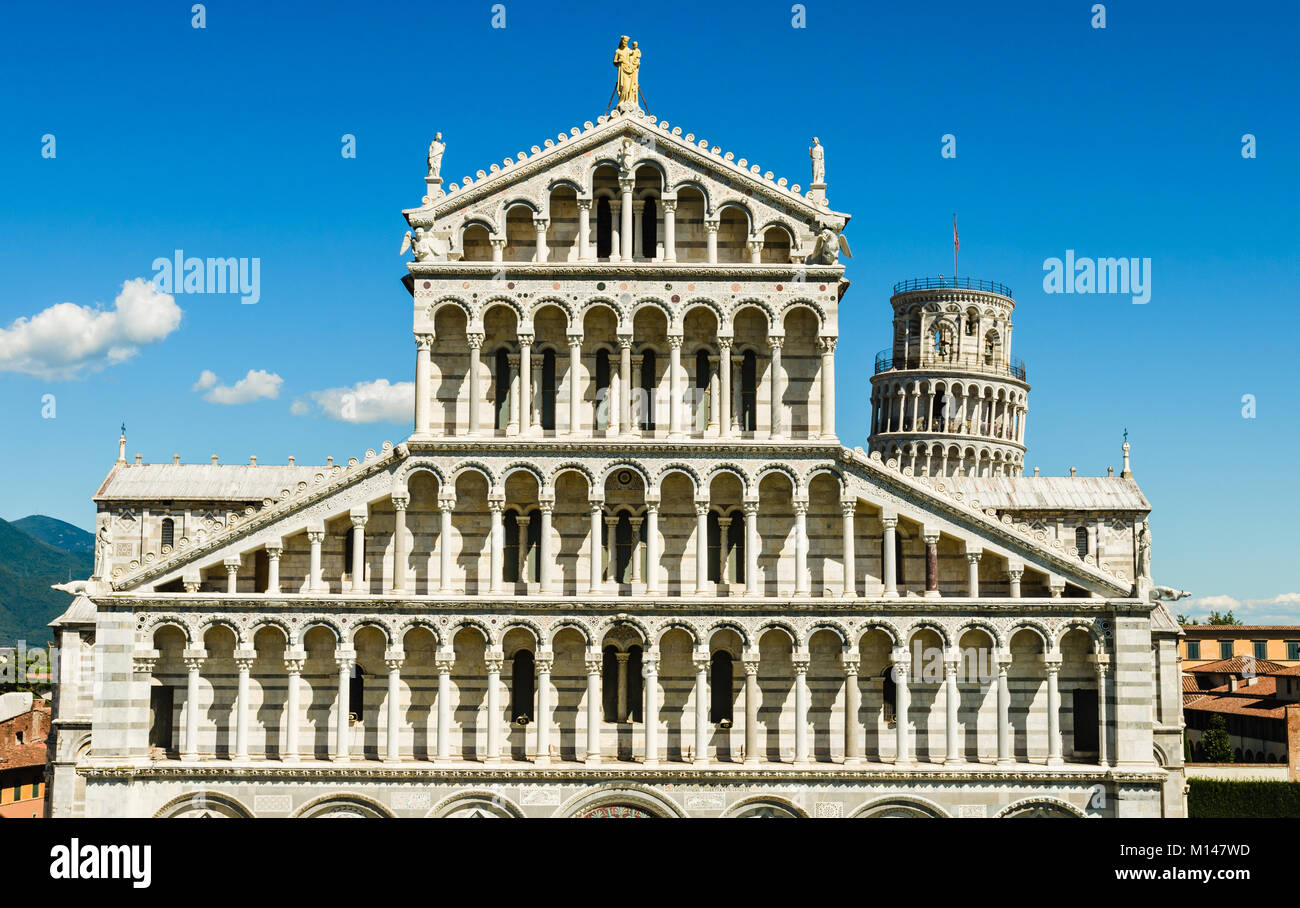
[
  {"x": 244, "y": 659},
  {"x": 575, "y": 340},
  {"x": 649, "y": 667},
  {"x": 595, "y": 505},
  {"x": 724, "y": 342},
  {"x": 852, "y": 663},
  {"x": 499, "y": 241},
  {"x": 624, "y": 341},
  {"x": 318, "y": 536},
  {"x": 755, "y": 245},
  {"x": 800, "y": 506},
  {"x": 494, "y": 666},
  {"x": 496, "y": 504},
  {"x": 444, "y": 661},
  {"x": 1014, "y": 575},
  {"x": 232, "y": 565},
  {"x": 889, "y": 522},
  {"x": 345, "y": 658},
  {"x": 142, "y": 661},
  {"x": 194, "y": 659},
  {"x": 931, "y": 538},
  {"x": 525, "y": 340},
  {"x": 668, "y": 205},
  {"x": 1003, "y": 658},
  {"x": 827, "y": 344},
  {"x": 711, "y": 226},
  {"x": 274, "y": 550},
  {"x": 594, "y": 664},
  {"x": 800, "y": 661},
  {"x": 848, "y": 507},
  {"x": 750, "y": 661},
  {"x": 394, "y": 657},
  {"x": 973, "y": 557},
  {"x": 584, "y": 204},
  {"x": 626, "y": 183},
  {"x": 776, "y": 341},
  {"x": 541, "y": 224},
  {"x": 474, "y": 339},
  {"x": 675, "y": 341},
  {"x": 701, "y": 509},
  {"x": 400, "y": 502},
  {"x": 447, "y": 502},
  {"x": 1052, "y": 663},
  {"x": 751, "y": 507},
  {"x": 358, "y": 521},
  {"x": 546, "y": 505},
  {"x": 423, "y": 342}
]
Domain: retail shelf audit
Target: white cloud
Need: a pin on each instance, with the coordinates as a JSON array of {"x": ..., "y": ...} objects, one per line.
[
  {"x": 1283, "y": 608},
  {"x": 66, "y": 339},
  {"x": 1208, "y": 603},
  {"x": 300, "y": 408},
  {"x": 257, "y": 384},
  {"x": 373, "y": 401}
]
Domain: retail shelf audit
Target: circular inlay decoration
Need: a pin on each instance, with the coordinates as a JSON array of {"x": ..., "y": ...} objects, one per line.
[
  {"x": 427, "y": 285},
  {"x": 510, "y": 285},
  {"x": 690, "y": 286},
  {"x": 624, "y": 477},
  {"x": 735, "y": 288},
  {"x": 600, "y": 286},
  {"x": 668, "y": 286},
  {"x": 555, "y": 286},
  {"x": 622, "y": 286},
  {"x": 822, "y": 287},
  {"x": 676, "y": 298},
  {"x": 464, "y": 285}
]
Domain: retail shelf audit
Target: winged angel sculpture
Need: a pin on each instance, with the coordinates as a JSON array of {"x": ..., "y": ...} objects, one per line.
[
  {"x": 827, "y": 248},
  {"x": 426, "y": 246}
]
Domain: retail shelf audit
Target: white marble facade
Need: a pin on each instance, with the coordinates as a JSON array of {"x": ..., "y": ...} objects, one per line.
[{"x": 623, "y": 565}]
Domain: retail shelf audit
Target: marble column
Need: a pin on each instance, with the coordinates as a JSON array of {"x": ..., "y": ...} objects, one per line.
[
  {"x": 294, "y": 658},
  {"x": 446, "y": 506},
  {"x": 724, "y": 392},
  {"x": 1013, "y": 577},
  {"x": 526, "y": 384},
  {"x": 852, "y": 705},
  {"x": 711, "y": 241},
  {"x": 777, "y": 386},
  {"x": 973, "y": 573},
  {"x": 1004, "y": 709},
  {"x": 316, "y": 537},
  {"x": 802, "y": 584},
  {"x": 521, "y": 555},
  {"x": 848, "y": 508},
  {"x": 724, "y": 552},
  {"x": 755, "y": 251},
  {"x": 889, "y": 568},
  {"x": 584, "y": 230},
  {"x": 596, "y": 549},
  {"x": 714, "y": 385},
  {"x": 751, "y": 548},
  {"x": 702, "y": 663},
  {"x": 497, "y": 538},
  {"x": 674, "y": 386},
  {"x": 512, "y": 400},
  {"x": 273, "y": 552},
  {"x": 474, "y": 382},
  {"x": 1103, "y": 726},
  {"x": 625, "y": 185},
  {"x": 902, "y": 733},
  {"x": 650, "y": 672},
  {"x": 232, "y": 572},
  {"x": 611, "y": 552},
  {"x": 423, "y": 384},
  {"x": 393, "y": 659},
  {"x": 635, "y": 523},
  {"x": 621, "y": 704},
  {"x": 1053, "y": 667},
  {"x": 244, "y": 663},
  {"x": 544, "y": 543},
  {"x": 539, "y": 225},
  {"x": 445, "y": 659},
  {"x": 701, "y": 548},
  {"x": 400, "y": 555},
  {"x": 828, "y": 387},
  {"x": 750, "y": 660},
  {"x": 952, "y": 749},
  {"x": 801, "y": 661},
  {"x": 931, "y": 565},
  {"x": 575, "y": 388},
  {"x": 652, "y": 546},
  {"x": 346, "y": 661},
  {"x": 498, "y": 247},
  {"x": 594, "y": 663},
  {"x": 670, "y": 229},
  {"x": 358, "y": 566},
  {"x": 493, "y": 664},
  {"x": 545, "y": 658},
  {"x": 624, "y": 384},
  {"x": 194, "y": 659}
]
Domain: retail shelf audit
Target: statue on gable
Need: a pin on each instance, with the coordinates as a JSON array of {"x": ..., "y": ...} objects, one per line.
[
  {"x": 818, "y": 155},
  {"x": 628, "y": 61},
  {"x": 436, "y": 148},
  {"x": 424, "y": 244},
  {"x": 827, "y": 248}
]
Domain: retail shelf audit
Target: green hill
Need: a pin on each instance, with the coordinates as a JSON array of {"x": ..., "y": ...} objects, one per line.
[
  {"x": 58, "y": 533},
  {"x": 27, "y": 568}
]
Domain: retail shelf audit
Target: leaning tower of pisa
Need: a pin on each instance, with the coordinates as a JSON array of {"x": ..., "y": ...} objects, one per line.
[{"x": 947, "y": 397}]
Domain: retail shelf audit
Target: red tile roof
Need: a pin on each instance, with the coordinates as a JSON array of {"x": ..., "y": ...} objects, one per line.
[
  {"x": 1238, "y": 665},
  {"x": 1256, "y": 707},
  {"x": 1288, "y": 628}
]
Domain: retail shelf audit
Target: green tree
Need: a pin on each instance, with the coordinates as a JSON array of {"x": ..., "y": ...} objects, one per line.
[
  {"x": 1185, "y": 621},
  {"x": 1225, "y": 618},
  {"x": 1215, "y": 741}
]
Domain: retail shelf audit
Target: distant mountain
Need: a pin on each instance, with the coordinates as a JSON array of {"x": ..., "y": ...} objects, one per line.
[
  {"x": 58, "y": 533},
  {"x": 28, "y": 565}
]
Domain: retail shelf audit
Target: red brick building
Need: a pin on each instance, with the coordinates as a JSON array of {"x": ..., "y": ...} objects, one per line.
[{"x": 24, "y": 725}]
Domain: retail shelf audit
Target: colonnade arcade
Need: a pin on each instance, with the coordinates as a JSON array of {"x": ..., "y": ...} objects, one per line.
[
  {"x": 625, "y": 216},
  {"x": 647, "y": 371},
  {"x": 624, "y": 531},
  {"x": 690, "y": 691}
]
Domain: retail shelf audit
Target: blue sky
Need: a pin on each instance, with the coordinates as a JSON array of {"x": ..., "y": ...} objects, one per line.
[{"x": 226, "y": 140}]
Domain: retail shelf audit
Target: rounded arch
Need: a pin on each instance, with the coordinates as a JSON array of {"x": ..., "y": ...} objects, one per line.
[
  {"x": 912, "y": 803},
  {"x": 489, "y": 802},
  {"x": 509, "y": 302},
  {"x": 678, "y": 624},
  {"x": 1078, "y": 624},
  {"x": 560, "y": 303},
  {"x": 895, "y": 635},
  {"x": 826, "y": 624},
  {"x": 825, "y": 469},
  {"x": 731, "y": 469},
  {"x": 572, "y": 466},
  {"x": 431, "y": 311},
  {"x": 265, "y": 621},
  {"x": 345, "y": 804},
  {"x": 410, "y": 624},
  {"x": 212, "y": 621},
  {"x": 979, "y": 624},
  {"x": 779, "y": 624},
  {"x": 523, "y": 466},
  {"x": 321, "y": 621},
  {"x": 572, "y": 623},
  {"x": 1042, "y": 630},
  {"x": 651, "y": 302},
  {"x": 202, "y": 801},
  {"x": 630, "y": 794},
  {"x": 751, "y": 302},
  {"x": 803, "y": 302},
  {"x": 608, "y": 623},
  {"x": 527, "y": 624},
  {"x": 478, "y": 624},
  {"x": 614, "y": 465},
  {"x": 796, "y": 485},
  {"x": 377, "y": 624},
  {"x": 158, "y": 622},
  {"x": 707, "y": 303},
  {"x": 727, "y": 624},
  {"x": 676, "y": 467},
  {"x": 922, "y": 624},
  {"x": 402, "y": 478},
  {"x": 591, "y": 304},
  {"x": 471, "y": 466},
  {"x": 695, "y": 185},
  {"x": 514, "y": 201},
  {"x": 1034, "y": 805},
  {"x": 782, "y": 224},
  {"x": 745, "y": 805}
]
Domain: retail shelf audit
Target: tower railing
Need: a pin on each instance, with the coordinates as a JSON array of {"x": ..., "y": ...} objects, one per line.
[
  {"x": 948, "y": 283},
  {"x": 887, "y": 362}
]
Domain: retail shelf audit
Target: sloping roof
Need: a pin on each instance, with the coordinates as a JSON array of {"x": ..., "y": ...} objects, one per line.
[
  {"x": 1292, "y": 671},
  {"x": 202, "y": 482},
  {"x": 82, "y": 611},
  {"x": 1243, "y": 628},
  {"x": 1163, "y": 622},
  {"x": 1190, "y": 683},
  {"x": 1239, "y": 665},
  {"x": 1052, "y": 493},
  {"x": 1256, "y": 700}
]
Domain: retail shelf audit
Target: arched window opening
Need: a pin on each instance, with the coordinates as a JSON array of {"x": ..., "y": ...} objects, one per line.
[
  {"x": 348, "y": 548},
  {"x": 941, "y": 337},
  {"x": 648, "y": 367},
  {"x": 649, "y": 228},
  {"x": 749, "y": 392},
  {"x": 609, "y": 685},
  {"x": 701, "y": 401},
  {"x": 502, "y": 387},
  {"x": 635, "y": 684},
  {"x": 1081, "y": 540},
  {"x": 736, "y": 547},
  {"x": 623, "y": 549},
  {"x": 721, "y": 695},
  {"x": 889, "y": 694},
  {"x": 972, "y": 322},
  {"x": 602, "y": 389},
  {"x": 522, "y": 683},
  {"x": 604, "y": 229},
  {"x": 261, "y": 571},
  {"x": 356, "y": 693},
  {"x": 533, "y": 543},
  {"x": 548, "y": 390},
  {"x": 161, "y": 702},
  {"x": 991, "y": 344},
  {"x": 715, "y": 547},
  {"x": 168, "y": 531},
  {"x": 510, "y": 569}
]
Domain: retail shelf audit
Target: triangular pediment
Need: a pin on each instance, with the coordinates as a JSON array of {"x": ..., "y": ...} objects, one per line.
[{"x": 627, "y": 141}]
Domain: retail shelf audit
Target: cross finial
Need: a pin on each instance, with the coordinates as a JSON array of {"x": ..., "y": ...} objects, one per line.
[{"x": 1126, "y": 433}]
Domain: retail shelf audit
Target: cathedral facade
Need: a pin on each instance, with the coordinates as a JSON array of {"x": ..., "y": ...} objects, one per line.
[{"x": 623, "y": 565}]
